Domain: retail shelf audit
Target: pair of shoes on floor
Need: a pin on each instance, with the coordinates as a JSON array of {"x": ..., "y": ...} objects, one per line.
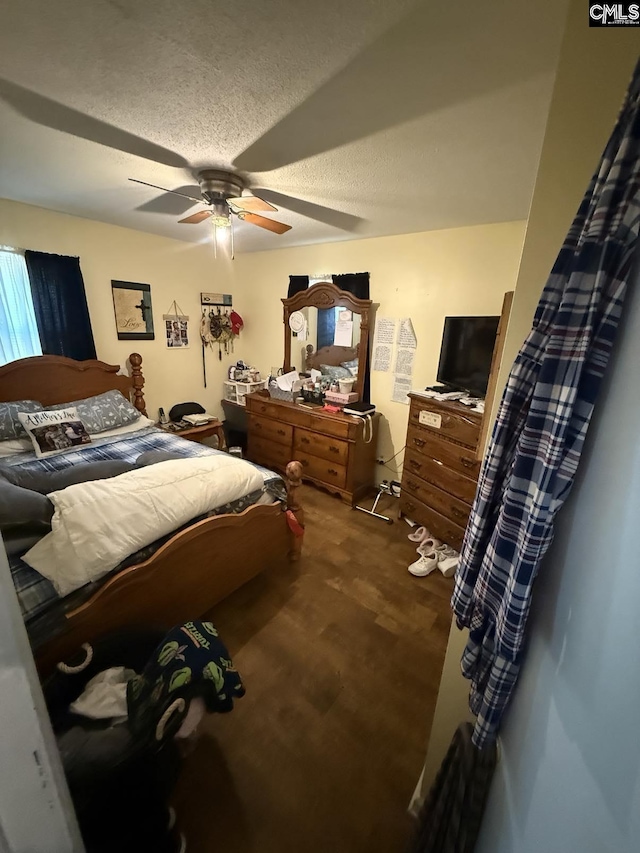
[
  {"x": 419, "y": 535},
  {"x": 434, "y": 555}
]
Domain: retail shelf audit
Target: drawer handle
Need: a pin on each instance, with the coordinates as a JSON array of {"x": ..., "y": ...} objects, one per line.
[
  {"x": 415, "y": 465},
  {"x": 413, "y": 485},
  {"x": 304, "y": 440},
  {"x": 281, "y": 432},
  {"x": 332, "y": 471},
  {"x": 419, "y": 442},
  {"x": 468, "y": 463},
  {"x": 334, "y": 449},
  {"x": 458, "y": 513},
  {"x": 258, "y": 425},
  {"x": 410, "y": 506},
  {"x": 305, "y": 463},
  {"x": 262, "y": 408}
]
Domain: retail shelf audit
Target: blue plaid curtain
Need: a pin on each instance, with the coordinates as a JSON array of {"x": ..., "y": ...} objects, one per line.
[{"x": 542, "y": 423}]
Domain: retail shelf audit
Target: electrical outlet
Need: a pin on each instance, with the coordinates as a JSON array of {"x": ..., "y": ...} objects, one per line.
[{"x": 380, "y": 461}]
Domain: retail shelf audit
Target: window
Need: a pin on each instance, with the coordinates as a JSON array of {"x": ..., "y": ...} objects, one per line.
[{"x": 18, "y": 330}]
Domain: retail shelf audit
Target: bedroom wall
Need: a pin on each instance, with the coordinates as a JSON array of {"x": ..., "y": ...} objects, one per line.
[
  {"x": 174, "y": 269},
  {"x": 425, "y": 276}
]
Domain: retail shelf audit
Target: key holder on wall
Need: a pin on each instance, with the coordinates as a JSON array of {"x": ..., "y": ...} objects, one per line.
[{"x": 219, "y": 325}]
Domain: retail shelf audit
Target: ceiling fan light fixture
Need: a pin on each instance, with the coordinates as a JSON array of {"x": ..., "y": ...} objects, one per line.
[
  {"x": 220, "y": 220},
  {"x": 223, "y": 235}
]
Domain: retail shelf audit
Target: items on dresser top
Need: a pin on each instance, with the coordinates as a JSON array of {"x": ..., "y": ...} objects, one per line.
[
  {"x": 440, "y": 470},
  {"x": 332, "y": 447}
]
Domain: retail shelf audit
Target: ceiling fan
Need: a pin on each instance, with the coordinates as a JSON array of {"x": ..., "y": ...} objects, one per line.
[{"x": 222, "y": 193}]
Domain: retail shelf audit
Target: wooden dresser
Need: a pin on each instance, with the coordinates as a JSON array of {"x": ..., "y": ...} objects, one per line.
[
  {"x": 440, "y": 469},
  {"x": 331, "y": 447}
]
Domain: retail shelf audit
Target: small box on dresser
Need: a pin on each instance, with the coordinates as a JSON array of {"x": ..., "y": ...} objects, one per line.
[{"x": 440, "y": 472}]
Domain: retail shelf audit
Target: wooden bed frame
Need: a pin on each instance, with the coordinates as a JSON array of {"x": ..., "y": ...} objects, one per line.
[{"x": 197, "y": 567}]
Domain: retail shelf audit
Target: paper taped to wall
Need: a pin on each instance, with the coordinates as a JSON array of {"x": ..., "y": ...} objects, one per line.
[
  {"x": 406, "y": 336},
  {"x": 401, "y": 387},
  {"x": 381, "y": 358},
  {"x": 404, "y": 361}
]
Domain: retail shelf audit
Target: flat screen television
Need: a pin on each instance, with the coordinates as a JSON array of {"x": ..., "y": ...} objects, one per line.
[{"x": 465, "y": 356}]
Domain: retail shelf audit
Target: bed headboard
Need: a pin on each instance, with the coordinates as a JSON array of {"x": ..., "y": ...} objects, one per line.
[
  {"x": 52, "y": 379},
  {"x": 333, "y": 355}
]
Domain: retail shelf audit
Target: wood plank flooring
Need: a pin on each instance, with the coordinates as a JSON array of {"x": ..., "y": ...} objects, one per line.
[{"x": 341, "y": 656}]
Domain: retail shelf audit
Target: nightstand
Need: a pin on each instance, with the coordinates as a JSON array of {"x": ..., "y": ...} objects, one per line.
[{"x": 198, "y": 433}]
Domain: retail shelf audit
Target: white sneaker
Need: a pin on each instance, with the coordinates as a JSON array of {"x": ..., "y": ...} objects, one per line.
[
  {"x": 428, "y": 546},
  {"x": 448, "y": 559},
  {"x": 424, "y": 565}
]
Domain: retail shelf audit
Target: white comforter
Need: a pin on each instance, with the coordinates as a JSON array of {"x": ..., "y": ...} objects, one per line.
[{"x": 97, "y": 525}]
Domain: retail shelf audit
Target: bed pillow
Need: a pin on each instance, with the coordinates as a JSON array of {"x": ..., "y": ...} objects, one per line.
[
  {"x": 352, "y": 366},
  {"x": 102, "y": 412},
  {"x": 20, "y": 506},
  {"x": 13, "y": 446},
  {"x": 10, "y": 426},
  {"x": 335, "y": 372},
  {"x": 54, "y": 432}
]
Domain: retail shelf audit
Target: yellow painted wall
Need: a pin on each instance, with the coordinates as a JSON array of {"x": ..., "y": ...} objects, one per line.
[
  {"x": 593, "y": 72},
  {"x": 425, "y": 276},
  {"x": 594, "y": 69},
  {"x": 174, "y": 269}
]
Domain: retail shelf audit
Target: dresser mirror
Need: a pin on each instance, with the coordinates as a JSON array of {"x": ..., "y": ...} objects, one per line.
[{"x": 327, "y": 329}]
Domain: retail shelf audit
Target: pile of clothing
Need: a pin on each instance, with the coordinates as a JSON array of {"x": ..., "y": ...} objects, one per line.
[{"x": 120, "y": 710}]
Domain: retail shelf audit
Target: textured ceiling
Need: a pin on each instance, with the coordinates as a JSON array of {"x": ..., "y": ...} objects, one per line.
[{"x": 355, "y": 119}]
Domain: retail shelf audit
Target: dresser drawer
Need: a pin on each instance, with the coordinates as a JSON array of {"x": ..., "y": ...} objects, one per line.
[
  {"x": 329, "y": 426},
  {"x": 321, "y": 469},
  {"x": 436, "y": 472},
  {"x": 259, "y": 405},
  {"x": 454, "y": 425},
  {"x": 273, "y": 430},
  {"x": 269, "y": 453},
  {"x": 441, "y": 527},
  {"x": 452, "y": 455},
  {"x": 432, "y": 496},
  {"x": 321, "y": 445}
]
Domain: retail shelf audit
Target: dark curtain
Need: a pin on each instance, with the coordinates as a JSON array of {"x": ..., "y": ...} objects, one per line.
[
  {"x": 357, "y": 283},
  {"x": 296, "y": 284},
  {"x": 60, "y": 305}
]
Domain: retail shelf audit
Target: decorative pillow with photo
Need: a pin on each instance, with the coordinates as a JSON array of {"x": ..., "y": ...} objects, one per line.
[{"x": 55, "y": 431}]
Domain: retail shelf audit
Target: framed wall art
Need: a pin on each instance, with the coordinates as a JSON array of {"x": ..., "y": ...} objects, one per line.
[{"x": 132, "y": 307}]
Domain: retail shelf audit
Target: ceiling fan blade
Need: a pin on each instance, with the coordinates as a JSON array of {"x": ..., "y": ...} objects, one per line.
[
  {"x": 263, "y": 222},
  {"x": 171, "y": 203},
  {"x": 165, "y": 190},
  {"x": 49, "y": 113},
  {"x": 195, "y": 218},
  {"x": 335, "y": 218},
  {"x": 361, "y": 99},
  {"x": 251, "y": 203}
]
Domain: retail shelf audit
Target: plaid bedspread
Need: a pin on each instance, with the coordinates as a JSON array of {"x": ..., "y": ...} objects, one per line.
[{"x": 35, "y": 592}]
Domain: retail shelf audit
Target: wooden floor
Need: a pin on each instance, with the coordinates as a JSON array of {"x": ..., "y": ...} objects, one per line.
[{"x": 341, "y": 657}]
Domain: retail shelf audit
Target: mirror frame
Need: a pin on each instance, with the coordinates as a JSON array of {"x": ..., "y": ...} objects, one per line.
[{"x": 325, "y": 294}]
